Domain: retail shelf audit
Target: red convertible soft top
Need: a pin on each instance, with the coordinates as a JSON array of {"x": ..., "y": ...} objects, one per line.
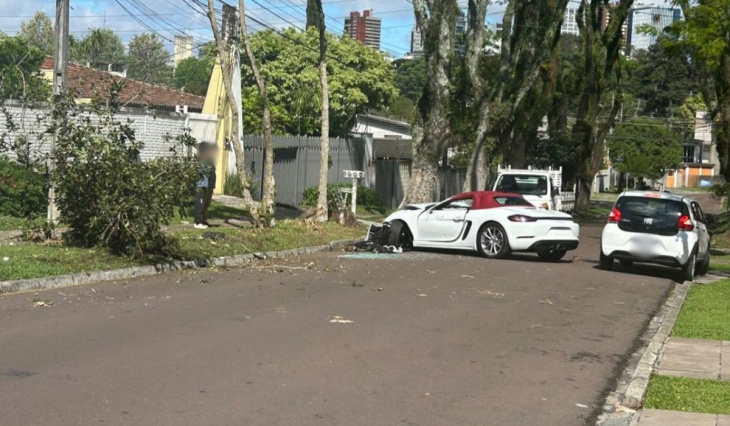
[{"x": 486, "y": 199}]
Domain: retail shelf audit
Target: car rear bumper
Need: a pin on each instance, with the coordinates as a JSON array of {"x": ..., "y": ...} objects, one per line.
[
  {"x": 553, "y": 245},
  {"x": 673, "y": 250},
  {"x": 659, "y": 260}
]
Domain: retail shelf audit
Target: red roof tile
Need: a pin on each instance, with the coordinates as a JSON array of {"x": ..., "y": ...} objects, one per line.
[{"x": 90, "y": 83}]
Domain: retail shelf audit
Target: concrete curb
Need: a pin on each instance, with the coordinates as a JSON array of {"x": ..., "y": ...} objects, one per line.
[
  {"x": 17, "y": 286},
  {"x": 621, "y": 405}
]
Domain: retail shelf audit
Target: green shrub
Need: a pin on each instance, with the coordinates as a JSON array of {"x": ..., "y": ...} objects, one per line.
[
  {"x": 234, "y": 188},
  {"x": 105, "y": 194},
  {"x": 366, "y": 197},
  {"x": 22, "y": 191}
]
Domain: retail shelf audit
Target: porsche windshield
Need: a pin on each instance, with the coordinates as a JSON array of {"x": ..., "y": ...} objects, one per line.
[{"x": 523, "y": 184}]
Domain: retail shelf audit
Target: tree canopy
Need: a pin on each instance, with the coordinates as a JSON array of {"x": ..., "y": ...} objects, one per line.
[
  {"x": 20, "y": 76},
  {"x": 192, "y": 75},
  {"x": 38, "y": 32},
  {"x": 645, "y": 148},
  {"x": 102, "y": 46},
  {"x": 148, "y": 59},
  {"x": 360, "y": 80}
]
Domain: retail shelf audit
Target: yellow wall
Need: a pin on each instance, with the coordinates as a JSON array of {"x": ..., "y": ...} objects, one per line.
[{"x": 216, "y": 103}]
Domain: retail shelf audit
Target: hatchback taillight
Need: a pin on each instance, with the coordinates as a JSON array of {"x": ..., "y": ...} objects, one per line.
[
  {"x": 685, "y": 223},
  {"x": 614, "y": 216}
]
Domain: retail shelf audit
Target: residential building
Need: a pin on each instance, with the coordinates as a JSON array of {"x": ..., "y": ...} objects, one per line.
[
  {"x": 364, "y": 28},
  {"x": 89, "y": 83},
  {"x": 382, "y": 127},
  {"x": 700, "y": 163},
  {"x": 570, "y": 26},
  {"x": 657, "y": 17},
  {"x": 183, "y": 49}
]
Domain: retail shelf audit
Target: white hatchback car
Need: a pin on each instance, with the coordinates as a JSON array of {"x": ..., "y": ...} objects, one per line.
[{"x": 657, "y": 227}]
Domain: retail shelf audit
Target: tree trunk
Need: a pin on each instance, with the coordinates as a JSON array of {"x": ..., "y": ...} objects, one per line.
[
  {"x": 267, "y": 208},
  {"x": 322, "y": 205},
  {"x": 227, "y": 71},
  {"x": 432, "y": 131},
  {"x": 601, "y": 51},
  {"x": 723, "y": 127},
  {"x": 527, "y": 44}
]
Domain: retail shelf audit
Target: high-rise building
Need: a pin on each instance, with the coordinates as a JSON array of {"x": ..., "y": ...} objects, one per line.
[
  {"x": 570, "y": 26},
  {"x": 365, "y": 28},
  {"x": 459, "y": 38},
  {"x": 182, "y": 49},
  {"x": 416, "y": 41},
  {"x": 460, "y": 34},
  {"x": 657, "y": 17}
]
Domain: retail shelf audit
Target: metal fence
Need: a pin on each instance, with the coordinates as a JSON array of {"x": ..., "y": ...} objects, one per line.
[
  {"x": 392, "y": 177},
  {"x": 296, "y": 162}
]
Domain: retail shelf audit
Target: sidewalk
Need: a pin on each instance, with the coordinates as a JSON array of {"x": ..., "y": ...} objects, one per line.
[
  {"x": 678, "y": 418},
  {"x": 695, "y": 358}
]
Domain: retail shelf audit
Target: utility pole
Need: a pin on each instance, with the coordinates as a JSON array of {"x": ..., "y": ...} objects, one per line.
[{"x": 60, "y": 79}]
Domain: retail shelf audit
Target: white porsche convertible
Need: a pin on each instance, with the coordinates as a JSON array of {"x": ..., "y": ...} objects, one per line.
[{"x": 493, "y": 223}]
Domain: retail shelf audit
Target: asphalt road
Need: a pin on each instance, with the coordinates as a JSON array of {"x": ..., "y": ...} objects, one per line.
[{"x": 435, "y": 339}]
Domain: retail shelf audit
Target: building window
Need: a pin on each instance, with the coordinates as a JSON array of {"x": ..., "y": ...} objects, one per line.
[{"x": 689, "y": 154}]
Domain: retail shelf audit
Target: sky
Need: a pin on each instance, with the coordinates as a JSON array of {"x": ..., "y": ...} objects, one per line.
[{"x": 177, "y": 17}]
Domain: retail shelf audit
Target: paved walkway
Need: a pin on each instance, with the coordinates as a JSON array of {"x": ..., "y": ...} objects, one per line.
[
  {"x": 678, "y": 418},
  {"x": 696, "y": 358}
]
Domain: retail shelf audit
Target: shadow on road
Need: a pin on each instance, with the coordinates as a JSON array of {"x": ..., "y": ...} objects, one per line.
[{"x": 656, "y": 271}]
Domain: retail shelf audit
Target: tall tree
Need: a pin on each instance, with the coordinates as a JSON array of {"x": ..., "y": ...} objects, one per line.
[
  {"x": 224, "y": 51},
  {"x": 315, "y": 19},
  {"x": 38, "y": 32},
  {"x": 20, "y": 78},
  {"x": 530, "y": 33},
  {"x": 431, "y": 131},
  {"x": 266, "y": 211},
  {"x": 359, "y": 80},
  {"x": 192, "y": 75},
  {"x": 600, "y": 69},
  {"x": 148, "y": 60},
  {"x": 410, "y": 77},
  {"x": 705, "y": 36},
  {"x": 645, "y": 148},
  {"x": 101, "y": 47}
]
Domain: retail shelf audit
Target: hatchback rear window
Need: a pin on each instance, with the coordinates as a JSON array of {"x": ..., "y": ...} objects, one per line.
[{"x": 650, "y": 215}]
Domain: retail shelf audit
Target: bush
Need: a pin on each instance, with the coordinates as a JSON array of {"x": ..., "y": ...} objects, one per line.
[
  {"x": 22, "y": 191},
  {"x": 105, "y": 194},
  {"x": 234, "y": 188},
  {"x": 366, "y": 197}
]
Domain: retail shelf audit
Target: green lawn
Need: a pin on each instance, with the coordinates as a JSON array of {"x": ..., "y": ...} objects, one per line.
[
  {"x": 705, "y": 313},
  {"x": 27, "y": 260},
  {"x": 9, "y": 223},
  {"x": 684, "y": 394},
  {"x": 286, "y": 235},
  {"x": 36, "y": 260}
]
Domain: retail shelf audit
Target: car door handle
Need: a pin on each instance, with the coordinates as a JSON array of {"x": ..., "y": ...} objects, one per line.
[{"x": 458, "y": 220}]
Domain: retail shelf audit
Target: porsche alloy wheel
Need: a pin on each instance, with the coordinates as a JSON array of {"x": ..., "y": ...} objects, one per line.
[{"x": 493, "y": 241}]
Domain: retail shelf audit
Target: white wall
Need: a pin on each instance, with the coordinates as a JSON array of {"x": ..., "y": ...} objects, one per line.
[{"x": 150, "y": 128}]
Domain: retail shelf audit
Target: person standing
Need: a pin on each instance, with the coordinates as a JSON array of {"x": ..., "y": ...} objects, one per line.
[{"x": 207, "y": 155}]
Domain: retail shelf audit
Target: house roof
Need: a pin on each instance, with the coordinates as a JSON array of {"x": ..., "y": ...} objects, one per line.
[
  {"x": 375, "y": 118},
  {"x": 90, "y": 83}
]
